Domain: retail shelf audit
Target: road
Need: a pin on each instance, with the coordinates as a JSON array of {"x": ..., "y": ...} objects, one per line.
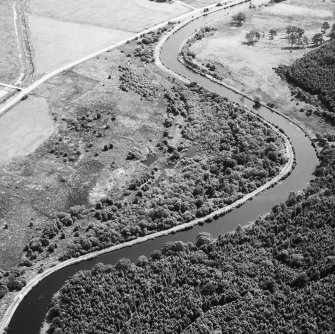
[{"x": 10, "y": 86}]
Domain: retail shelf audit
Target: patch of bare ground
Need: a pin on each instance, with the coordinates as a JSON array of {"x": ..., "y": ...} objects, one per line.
[{"x": 250, "y": 68}]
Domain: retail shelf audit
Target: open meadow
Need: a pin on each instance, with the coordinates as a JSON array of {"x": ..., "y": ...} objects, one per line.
[{"x": 250, "y": 67}]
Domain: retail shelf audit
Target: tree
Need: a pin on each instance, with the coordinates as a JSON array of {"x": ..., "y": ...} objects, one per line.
[
  {"x": 257, "y": 102},
  {"x": 272, "y": 33},
  {"x": 203, "y": 238},
  {"x": 294, "y": 35},
  {"x": 142, "y": 261},
  {"x": 332, "y": 32},
  {"x": 252, "y": 37},
  {"x": 317, "y": 39},
  {"x": 305, "y": 41},
  {"x": 123, "y": 265},
  {"x": 300, "y": 280},
  {"x": 325, "y": 26},
  {"x": 239, "y": 19},
  {"x": 3, "y": 290}
]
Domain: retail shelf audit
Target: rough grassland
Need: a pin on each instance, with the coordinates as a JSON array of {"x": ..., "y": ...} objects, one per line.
[
  {"x": 9, "y": 60},
  {"x": 250, "y": 68},
  {"x": 130, "y": 15}
]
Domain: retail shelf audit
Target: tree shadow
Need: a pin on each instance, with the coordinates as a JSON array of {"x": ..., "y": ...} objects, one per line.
[{"x": 249, "y": 43}]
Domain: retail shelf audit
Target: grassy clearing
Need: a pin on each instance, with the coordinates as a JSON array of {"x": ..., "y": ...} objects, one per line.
[
  {"x": 250, "y": 68},
  {"x": 9, "y": 53},
  {"x": 131, "y": 15}
]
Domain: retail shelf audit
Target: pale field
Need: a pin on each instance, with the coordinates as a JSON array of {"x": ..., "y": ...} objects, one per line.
[
  {"x": 3, "y": 92},
  {"x": 128, "y": 15},
  {"x": 57, "y": 43},
  {"x": 10, "y": 65},
  {"x": 24, "y": 128},
  {"x": 250, "y": 68},
  {"x": 203, "y": 3},
  {"x": 296, "y": 11},
  {"x": 199, "y": 3}
]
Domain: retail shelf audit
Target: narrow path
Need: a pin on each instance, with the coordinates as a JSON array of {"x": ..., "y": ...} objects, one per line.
[
  {"x": 186, "y": 5},
  {"x": 23, "y": 42},
  {"x": 10, "y": 86},
  {"x": 15, "y": 16}
]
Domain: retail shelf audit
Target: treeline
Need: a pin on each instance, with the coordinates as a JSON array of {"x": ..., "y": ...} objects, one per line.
[
  {"x": 189, "y": 57},
  {"x": 276, "y": 276},
  {"x": 315, "y": 73}
]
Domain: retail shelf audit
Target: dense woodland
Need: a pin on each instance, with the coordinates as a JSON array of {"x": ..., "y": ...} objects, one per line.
[
  {"x": 315, "y": 73},
  {"x": 274, "y": 277}
]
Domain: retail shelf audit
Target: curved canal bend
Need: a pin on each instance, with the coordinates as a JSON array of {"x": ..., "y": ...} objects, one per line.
[{"x": 31, "y": 311}]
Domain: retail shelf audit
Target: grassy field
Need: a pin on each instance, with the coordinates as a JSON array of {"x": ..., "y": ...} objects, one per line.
[
  {"x": 3, "y": 92},
  {"x": 57, "y": 43},
  {"x": 132, "y": 15},
  {"x": 10, "y": 65},
  {"x": 24, "y": 128},
  {"x": 250, "y": 68},
  {"x": 198, "y": 3},
  {"x": 63, "y": 31}
]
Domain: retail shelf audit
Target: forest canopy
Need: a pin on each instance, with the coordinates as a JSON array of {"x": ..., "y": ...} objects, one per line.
[{"x": 315, "y": 73}]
